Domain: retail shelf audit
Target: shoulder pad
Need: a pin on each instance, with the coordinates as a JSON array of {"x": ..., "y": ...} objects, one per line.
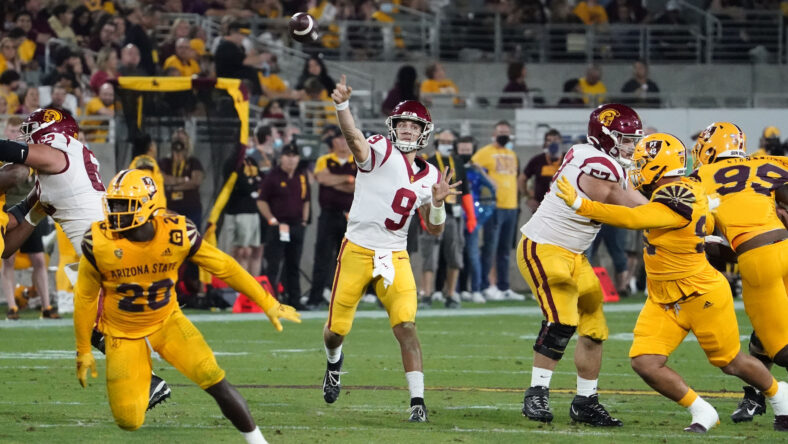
[
  {"x": 599, "y": 166},
  {"x": 677, "y": 196}
]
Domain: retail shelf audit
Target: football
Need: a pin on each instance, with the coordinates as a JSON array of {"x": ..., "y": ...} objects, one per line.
[{"x": 303, "y": 28}]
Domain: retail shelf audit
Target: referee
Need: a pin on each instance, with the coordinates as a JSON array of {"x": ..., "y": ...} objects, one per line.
[{"x": 336, "y": 174}]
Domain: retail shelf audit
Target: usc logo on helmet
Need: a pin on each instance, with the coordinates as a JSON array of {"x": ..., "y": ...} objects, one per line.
[
  {"x": 51, "y": 115},
  {"x": 606, "y": 116}
]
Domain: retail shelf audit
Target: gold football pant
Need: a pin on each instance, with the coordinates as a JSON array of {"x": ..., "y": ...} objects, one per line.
[
  {"x": 660, "y": 328},
  {"x": 351, "y": 279},
  {"x": 129, "y": 366},
  {"x": 764, "y": 277},
  {"x": 565, "y": 286}
]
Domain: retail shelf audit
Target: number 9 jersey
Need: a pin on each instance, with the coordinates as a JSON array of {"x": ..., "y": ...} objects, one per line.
[{"x": 745, "y": 189}]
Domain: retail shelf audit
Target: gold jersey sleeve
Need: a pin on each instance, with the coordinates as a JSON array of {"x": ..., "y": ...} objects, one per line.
[
  {"x": 3, "y": 221},
  {"x": 743, "y": 190}
]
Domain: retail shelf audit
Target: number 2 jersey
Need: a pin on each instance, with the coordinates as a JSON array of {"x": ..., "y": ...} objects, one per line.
[
  {"x": 554, "y": 222},
  {"x": 388, "y": 191},
  {"x": 73, "y": 197},
  {"x": 745, "y": 189}
]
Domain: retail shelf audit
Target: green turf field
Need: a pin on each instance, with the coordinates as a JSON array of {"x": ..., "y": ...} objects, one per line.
[{"x": 476, "y": 368}]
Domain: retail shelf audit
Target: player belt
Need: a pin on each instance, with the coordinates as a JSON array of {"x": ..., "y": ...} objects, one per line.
[{"x": 767, "y": 238}]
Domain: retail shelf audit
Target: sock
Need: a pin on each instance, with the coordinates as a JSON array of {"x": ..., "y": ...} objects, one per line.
[
  {"x": 772, "y": 390},
  {"x": 415, "y": 384},
  {"x": 703, "y": 413},
  {"x": 254, "y": 437},
  {"x": 416, "y": 401},
  {"x": 333, "y": 354},
  {"x": 779, "y": 401},
  {"x": 586, "y": 387},
  {"x": 688, "y": 399},
  {"x": 540, "y": 377}
]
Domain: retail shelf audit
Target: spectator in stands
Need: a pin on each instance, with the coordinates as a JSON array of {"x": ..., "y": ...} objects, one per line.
[
  {"x": 561, "y": 13},
  {"x": 271, "y": 8},
  {"x": 60, "y": 22},
  {"x": 40, "y": 15},
  {"x": 320, "y": 108},
  {"x": 104, "y": 34},
  {"x": 64, "y": 59},
  {"x": 336, "y": 174},
  {"x": 184, "y": 60},
  {"x": 645, "y": 91},
  {"x": 541, "y": 168},
  {"x": 268, "y": 142},
  {"x": 516, "y": 73},
  {"x": 26, "y": 49},
  {"x": 625, "y": 11},
  {"x": 179, "y": 29},
  {"x": 33, "y": 45},
  {"x": 62, "y": 100},
  {"x": 672, "y": 42},
  {"x": 130, "y": 61},
  {"x": 141, "y": 21},
  {"x": 9, "y": 57},
  {"x": 231, "y": 59},
  {"x": 82, "y": 24},
  {"x": 183, "y": 175},
  {"x": 274, "y": 112},
  {"x": 284, "y": 203},
  {"x": 10, "y": 82},
  {"x": 101, "y": 105},
  {"x": 591, "y": 12},
  {"x": 119, "y": 37},
  {"x": 500, "y": 162},
  {"x": 30, "y": 101},
  {"x": 107, "y": 63},
  {"x": 240, "y": 235},
  {"x": 437, "y": 82},
  {"x": 591, "y": 86},
  {"x": 572, "y": 98},
  {"x": 406, "y": 87},
  {"x": 272, "y": 85},
  {"x": 314, "y": 67},
  {"x": 197, "y": 37}
]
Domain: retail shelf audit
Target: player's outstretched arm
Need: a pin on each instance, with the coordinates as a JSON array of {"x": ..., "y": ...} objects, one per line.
[
  {"x": 609, "y": 192},
  {"x": 86, "y": 295},
  {"x": 649, "y": 215},
  {"x": 43, "y": 158},
  {"x": 355, "y": 138},
  {"x": 24, "y": 217}
]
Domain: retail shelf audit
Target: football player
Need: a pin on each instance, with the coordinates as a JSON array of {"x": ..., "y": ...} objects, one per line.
[
  {"x": 550, "y": 258},
  {"x": 685, "y": 293},
  {"x": 133, "y": 256},
  {"x": 391, "y": 184},
  {"x": 744, "y": 188},
  {"x": 68, "y": 187}
]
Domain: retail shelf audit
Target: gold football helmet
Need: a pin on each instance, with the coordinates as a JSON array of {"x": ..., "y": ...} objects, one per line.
[
  {"x": 131, "y": 199},
  {"x": 656, "y": 156},
  {"x": 717, "y": 141}
]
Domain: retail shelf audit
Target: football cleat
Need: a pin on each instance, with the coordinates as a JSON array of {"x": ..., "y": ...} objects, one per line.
[
  {"x": 453, "y": 302},
  {"x": 12, "y": 314},
  {"x": 418, "y": 413},
  {"x": 587, "y": 409},
  {"x": 781, "y": 423},
  {"x": 536, "y": 404},
  {"x": 159, "y": 391},
  {"x": 753, "y": 403},
  {"x": 696, "y": 428},
  {"x": 331, "y": 383},
  {"x": 49, "y": 313}
]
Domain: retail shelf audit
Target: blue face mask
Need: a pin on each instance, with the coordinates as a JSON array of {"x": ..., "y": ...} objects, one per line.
[
  {"x": 250, "y": 151},
  {"x": 509, "y": 145},
  {"x": 278, "y": 143},
  {"x": 553, "y": 149}
]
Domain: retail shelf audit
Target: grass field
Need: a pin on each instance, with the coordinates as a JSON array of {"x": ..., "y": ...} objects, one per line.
[{"x": 477, "y": 364}]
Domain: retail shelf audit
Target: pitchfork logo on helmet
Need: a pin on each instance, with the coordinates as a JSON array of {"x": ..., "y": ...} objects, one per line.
[
  {"x": 615, "y": 129},
  {"x": 45, "y": 121},
  {"x": 416, "y": 112},
  {"x": 131, "y": 199},
  {"x": 656, "y": 156},
  {"x": 719, "y": 140}
]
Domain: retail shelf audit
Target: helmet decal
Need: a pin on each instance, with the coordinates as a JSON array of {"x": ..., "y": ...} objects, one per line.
[
  {"x": 606, "y": 116},
  {"x": 52, "y": 115}
]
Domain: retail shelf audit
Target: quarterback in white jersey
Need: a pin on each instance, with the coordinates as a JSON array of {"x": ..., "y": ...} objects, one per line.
[
  {"x": 391, "y": 185},
  {"x": 550, "y": 258}
]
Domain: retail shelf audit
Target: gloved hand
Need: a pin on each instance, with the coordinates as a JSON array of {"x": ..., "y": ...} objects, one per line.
[
  {"x": 282, "y": 311},
  {"x": 85, "y": 361},
  {"x": 568, "y": 193}
]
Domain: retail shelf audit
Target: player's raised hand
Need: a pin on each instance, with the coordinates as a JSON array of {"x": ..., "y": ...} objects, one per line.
[
  {"x": 282, "y": 311},
  {"x": 444, "y": 188},
  {"x": 85, "y": 361},
  {"x": 568, "y": 193},
  {"x": 341, "y": 91}
]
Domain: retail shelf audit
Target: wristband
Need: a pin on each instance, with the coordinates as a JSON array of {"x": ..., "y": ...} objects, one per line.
[
  {"x": 14, "y": 152},
  {"x": 577, "y": 203},
  {"x": 437, "y": 214},
  {"x": 342, "y": 106}
]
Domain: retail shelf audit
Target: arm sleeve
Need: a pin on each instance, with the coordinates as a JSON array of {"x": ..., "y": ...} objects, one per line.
[
  {"x": 321, "y": 164},
  {"x": 650, "y": 215},
  {"x": 86, "y": 295}
]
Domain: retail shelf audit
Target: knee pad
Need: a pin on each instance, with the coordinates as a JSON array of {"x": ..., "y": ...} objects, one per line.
[
  {"x": 756, "y": 350},
  {"x": 781, "y": 358},
  {"x": 553, "y": 339}
]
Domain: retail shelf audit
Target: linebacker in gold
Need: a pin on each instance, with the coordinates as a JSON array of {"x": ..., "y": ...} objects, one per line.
[
  {"x": 133, "y": 256},
  {"x": 685, "y": 293},
  {"x": 746, "y": 214}
]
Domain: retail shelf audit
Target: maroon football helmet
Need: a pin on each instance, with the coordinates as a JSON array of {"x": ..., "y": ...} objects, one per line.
[
  {"x": 613, "y": 125},
  {"x": 48, "y": 120},
  {"x": 415, "y": 111}
]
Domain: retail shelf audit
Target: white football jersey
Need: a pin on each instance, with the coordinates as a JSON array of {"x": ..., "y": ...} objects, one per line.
[
  {"x": 554, "y": 221},
  {"x": 73, "y": 197},
  {"x": 388, "y": 191}
]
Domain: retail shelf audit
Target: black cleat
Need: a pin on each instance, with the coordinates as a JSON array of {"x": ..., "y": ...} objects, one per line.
[
  {"x": 331, "y": 383},
  {"x": 781, "y": 423},
  {"x": 159, "y": 391},
  {"x": 753, "y": 403},
  {"x": 695, "y": 428},
  {"x": 587, "y": 409},
  {"x": 536, "y": 404},
  {"x": 418, "y": 413}
]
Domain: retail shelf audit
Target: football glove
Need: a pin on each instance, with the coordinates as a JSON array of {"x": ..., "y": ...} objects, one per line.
[
  {"x": 568, "y": 193},
  {"x": 284, "y": 312},
  {"x": 85, "y": 361}
]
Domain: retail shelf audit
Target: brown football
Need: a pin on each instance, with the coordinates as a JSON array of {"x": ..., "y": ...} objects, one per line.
[{"x": 303, "y": 28}]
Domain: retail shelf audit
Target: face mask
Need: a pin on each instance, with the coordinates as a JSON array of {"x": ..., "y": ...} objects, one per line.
[
  {"x": 266, "y": 68},
  {"x": 502, "y": 140},
  {"x": 509, "y": 146},
  {"x": 250, "y": 151},
  {"x": 278, "y": 143},
  {"x": 553, "y": 149},
  {"x": 465, "y": 158},
  {"x": 445, "y": 148}
]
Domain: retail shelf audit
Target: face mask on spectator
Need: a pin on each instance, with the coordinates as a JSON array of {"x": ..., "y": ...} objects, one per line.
[
  {"x": 553, "y": 150},
  {"x": 502, "y": 140},
  {"x": 278, "y": 143},
  {"x": 445, "y": 149}
]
